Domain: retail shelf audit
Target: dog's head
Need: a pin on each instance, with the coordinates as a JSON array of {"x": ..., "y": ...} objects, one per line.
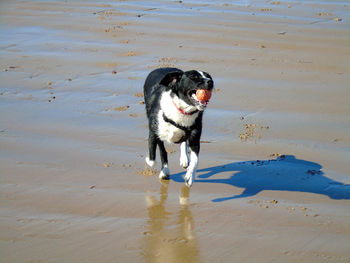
[{"x": 186, "y": 84}]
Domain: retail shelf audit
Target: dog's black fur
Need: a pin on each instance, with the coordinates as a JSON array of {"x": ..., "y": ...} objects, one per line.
[{"x": 175, "y": 115}]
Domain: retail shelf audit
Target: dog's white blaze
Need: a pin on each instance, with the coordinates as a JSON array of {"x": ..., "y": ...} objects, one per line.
[
  {"x": 191, "y": 170},
  {"x": 202, "y": 74},
  {"x": 183, "y": 155}
]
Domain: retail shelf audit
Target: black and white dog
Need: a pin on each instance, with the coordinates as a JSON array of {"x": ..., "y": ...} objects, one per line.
[{"x": 175, "y": 115}]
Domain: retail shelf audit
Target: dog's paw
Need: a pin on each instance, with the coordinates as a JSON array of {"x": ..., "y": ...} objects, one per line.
[
  {"x": 184, "y": 161},
  {"x": 189, "y": 179},
  {"x": 150, "y": 163},
  {"x": 164, "y": 173}
]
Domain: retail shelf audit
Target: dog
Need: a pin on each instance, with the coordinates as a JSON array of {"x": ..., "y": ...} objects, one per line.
[{"x": 175, "y": 112}]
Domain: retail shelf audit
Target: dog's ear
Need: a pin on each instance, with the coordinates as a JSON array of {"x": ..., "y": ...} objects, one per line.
[{"x": 171, "y": 79}]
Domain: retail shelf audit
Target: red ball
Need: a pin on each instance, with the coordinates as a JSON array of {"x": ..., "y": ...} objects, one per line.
[{"x": 203, "y": 94}]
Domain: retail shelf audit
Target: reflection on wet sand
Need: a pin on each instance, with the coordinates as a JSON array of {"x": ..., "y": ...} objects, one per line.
[{"x": 170, "y": 236}]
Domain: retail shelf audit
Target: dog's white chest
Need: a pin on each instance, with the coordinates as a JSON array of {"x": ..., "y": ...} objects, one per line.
[{"x": 168, "y": 132}]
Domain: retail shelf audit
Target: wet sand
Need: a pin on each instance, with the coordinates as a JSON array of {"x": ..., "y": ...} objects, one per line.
[{"x": 273, "y": 183}]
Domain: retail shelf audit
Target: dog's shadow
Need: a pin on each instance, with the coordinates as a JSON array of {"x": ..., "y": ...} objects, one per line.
[{"x": 285, "y": 173}]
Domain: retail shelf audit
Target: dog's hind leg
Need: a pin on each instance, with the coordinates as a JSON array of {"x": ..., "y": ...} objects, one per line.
[
  {"x": 152, "y": 146},
  {"x": 184, "y": 155},
  {"x": 164, "y": 173}
]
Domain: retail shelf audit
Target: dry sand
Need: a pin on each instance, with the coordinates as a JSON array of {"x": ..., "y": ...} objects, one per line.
[{"x": 274, "y": 174}]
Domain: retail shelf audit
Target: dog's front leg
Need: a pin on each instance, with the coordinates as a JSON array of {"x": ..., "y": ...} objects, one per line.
[
  {"x": 183, "y": 155},
  {"x": 191, "y": 170}
]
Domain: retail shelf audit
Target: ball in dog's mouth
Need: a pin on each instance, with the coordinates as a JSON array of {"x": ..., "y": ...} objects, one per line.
[
  {"x": 203, "y": 95},
  {"x": 200, "y": 97}
]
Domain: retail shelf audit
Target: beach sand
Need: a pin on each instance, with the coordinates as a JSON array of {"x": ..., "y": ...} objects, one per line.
[{"x": 273, "y": 183}]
